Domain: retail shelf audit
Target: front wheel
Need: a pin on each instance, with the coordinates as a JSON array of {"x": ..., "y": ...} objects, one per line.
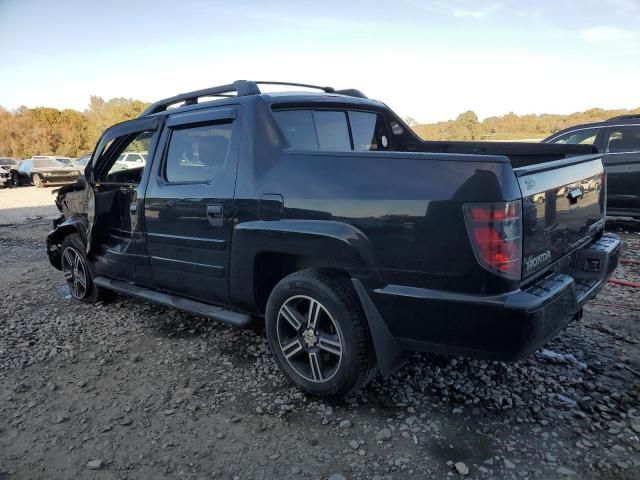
[
  {"x": 318, "y": 333},
  {"x": 15, "y": 179},
  {"x": 77, "y": 272},
  {"x": 37, "y": 181}
]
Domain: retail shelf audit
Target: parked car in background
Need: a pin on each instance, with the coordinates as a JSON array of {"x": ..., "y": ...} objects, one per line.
[
  {"x": 64, "y": 160},
  {"x": 356, "y": 240},
  {"x": 41, "y": 171},
  {"x": 129, "y": 160},
  {"x": 619, "y": 141},
  {"x": 5, "y": 170},
  {"x": 81, "y": 162}
]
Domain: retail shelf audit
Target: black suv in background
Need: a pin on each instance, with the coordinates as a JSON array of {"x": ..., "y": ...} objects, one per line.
[{"x": 619, "y": 141}]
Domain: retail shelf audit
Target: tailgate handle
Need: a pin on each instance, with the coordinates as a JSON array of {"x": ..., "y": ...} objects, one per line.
[{"x": 574, "y": 195}]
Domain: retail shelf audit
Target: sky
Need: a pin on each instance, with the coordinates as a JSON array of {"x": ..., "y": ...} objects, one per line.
[{"x": 430, "y": 60}]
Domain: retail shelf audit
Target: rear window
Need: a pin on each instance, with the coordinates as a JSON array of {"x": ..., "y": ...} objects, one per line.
[
  {"x": 333, "y": 130},
  {"x": 368, "y": 131}
]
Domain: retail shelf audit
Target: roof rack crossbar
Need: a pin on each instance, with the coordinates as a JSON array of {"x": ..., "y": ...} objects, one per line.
[{"x": 240, "y": 88}]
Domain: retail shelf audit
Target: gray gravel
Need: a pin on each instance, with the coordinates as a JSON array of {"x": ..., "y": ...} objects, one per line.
[{"x": 131, "y": 390}]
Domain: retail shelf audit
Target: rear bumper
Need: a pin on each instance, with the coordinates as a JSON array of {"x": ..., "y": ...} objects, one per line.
[{"x": 506, "y": 327}]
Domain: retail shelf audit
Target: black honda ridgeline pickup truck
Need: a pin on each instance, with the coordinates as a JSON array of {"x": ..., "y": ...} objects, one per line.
[{"x": 324, "y": 214}]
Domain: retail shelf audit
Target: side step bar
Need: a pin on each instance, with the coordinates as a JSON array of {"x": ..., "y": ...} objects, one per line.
[{"x": 186, "y": 305}]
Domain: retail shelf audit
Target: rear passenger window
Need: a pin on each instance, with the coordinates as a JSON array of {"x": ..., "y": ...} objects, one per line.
[
  {"x": 329, "y": 130},
  {"x": 624, "y": 139},
  {"x": 197, "y": 154}
]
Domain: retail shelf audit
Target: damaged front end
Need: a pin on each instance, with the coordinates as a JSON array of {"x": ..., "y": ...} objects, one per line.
[{"x": 75, "y": 202}]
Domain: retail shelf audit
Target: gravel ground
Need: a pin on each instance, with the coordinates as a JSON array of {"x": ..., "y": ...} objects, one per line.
[
  {"x": 19, "y": 205},
  {"x": 129, "y": 390}
]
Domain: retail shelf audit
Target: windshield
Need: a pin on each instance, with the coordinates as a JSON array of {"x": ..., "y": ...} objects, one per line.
[
  {"x": 7, "y": 161},
  {"x": 48, "y": 162}
]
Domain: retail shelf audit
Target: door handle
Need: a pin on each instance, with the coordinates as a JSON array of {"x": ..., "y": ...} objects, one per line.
[
  {"x": 133, "y": 208},
  {"x": 215, "y": 215}
]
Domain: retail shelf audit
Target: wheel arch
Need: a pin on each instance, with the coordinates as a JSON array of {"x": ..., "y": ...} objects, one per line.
[
  {"x": 264, "y": 252},
  {"x": 59, "y": 233}
]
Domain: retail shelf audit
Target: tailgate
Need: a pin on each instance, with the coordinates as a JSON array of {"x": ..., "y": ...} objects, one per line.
[{"x": 562, "y": 208}]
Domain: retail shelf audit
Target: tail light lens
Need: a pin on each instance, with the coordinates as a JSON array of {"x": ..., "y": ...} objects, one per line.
[{"x": 495, "y": 230}]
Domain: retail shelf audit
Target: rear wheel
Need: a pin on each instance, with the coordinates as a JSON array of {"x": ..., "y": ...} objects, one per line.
[
  {"x": 37, "y": 180},
  {"x": 318, "y": 333},
  {"x": 77, "y": 272}
]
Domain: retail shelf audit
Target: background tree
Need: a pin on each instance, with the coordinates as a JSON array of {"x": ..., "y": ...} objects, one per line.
[{"x": 47, "y": 131}]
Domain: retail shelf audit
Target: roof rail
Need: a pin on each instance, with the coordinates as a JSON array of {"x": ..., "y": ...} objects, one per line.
[
  {"x": 289, "y": 84},
  {"x": 240, "y": 88},
  {"x": 351, "y": 92},
  {"x": 632, "y": 116}
]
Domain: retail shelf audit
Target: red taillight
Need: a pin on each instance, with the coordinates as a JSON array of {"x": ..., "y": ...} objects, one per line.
[{"x": 495, "y": 230}]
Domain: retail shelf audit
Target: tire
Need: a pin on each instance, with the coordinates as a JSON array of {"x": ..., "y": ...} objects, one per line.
[
  {"x": 37, "y": 180},
  {"x": 15, "y": 179},
  {"x": 329, "y": 353},
  {"x": 79, "y": 276}
]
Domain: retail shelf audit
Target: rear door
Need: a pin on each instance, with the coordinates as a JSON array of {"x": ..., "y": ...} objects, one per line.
[
  {"x": 188, "y": 205},
  {"x": 622, "y": 162}
]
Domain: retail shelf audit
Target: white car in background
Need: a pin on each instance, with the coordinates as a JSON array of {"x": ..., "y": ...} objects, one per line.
[{"x": 129, "y": 160}]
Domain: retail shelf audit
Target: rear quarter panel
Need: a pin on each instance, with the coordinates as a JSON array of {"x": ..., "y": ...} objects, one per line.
[{"x": 407, "y": 206}]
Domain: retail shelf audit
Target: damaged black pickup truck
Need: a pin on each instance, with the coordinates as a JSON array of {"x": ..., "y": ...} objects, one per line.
[{"x": 324, "y": 214}]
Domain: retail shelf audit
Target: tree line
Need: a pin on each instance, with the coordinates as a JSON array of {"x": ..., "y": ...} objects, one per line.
[
  {"x": 25, "y": 132},
  {"x": 510, "y": 126}
]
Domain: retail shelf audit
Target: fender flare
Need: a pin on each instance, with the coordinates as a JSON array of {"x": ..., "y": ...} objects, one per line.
[
  {"x": 61, "y": 230},
  {"x": 329, "y": 244}
]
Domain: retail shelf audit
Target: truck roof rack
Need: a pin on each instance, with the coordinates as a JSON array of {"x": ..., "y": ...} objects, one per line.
[
  {"x": 239, "y": 88},
  {"x": 632, "y": 116}
]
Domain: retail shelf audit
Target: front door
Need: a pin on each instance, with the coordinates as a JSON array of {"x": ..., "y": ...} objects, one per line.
[
  {"x": 188, "y": 205},
  {"x": 117, "y": 248}
]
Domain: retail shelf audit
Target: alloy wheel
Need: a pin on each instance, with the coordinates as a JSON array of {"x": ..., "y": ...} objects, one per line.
[
  {"x": 309, "y": 338},
  {"x": 75, "y": 272}
]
